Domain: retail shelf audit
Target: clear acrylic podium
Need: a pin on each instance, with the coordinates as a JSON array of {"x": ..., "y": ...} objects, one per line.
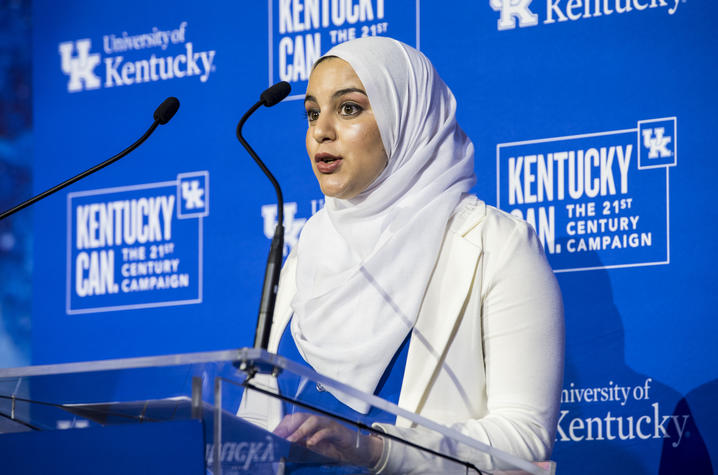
[{"x": 218, "y": 410}]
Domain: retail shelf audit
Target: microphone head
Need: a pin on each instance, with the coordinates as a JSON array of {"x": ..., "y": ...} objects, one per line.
[
  {"x": 275, "y": 94},
  {"x": 166, "y": 110}
]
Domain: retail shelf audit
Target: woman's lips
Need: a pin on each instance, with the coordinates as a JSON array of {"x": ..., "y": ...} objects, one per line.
[{"x": 327, "y": 163}]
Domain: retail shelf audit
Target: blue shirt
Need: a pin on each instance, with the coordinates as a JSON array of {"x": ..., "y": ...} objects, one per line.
[{"x": 388, "y": 388}]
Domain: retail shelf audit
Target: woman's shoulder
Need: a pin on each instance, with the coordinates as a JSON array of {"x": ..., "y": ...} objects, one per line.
[
  {"x": 484, "y": 224},
  {"x": 508, "y": 244}
]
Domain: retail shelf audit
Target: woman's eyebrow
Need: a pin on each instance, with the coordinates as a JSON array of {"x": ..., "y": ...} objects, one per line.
[
  {"x": 347, "y": 90},
  {"x": 340, "y": 92}
]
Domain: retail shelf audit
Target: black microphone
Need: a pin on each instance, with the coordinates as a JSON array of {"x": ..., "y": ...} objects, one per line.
[
  {"x": 166, "y": 110},
  {"x": 162, "y": 115},
  {"x": 275, "y": 94},
  {"x": 269, "y": 97}
]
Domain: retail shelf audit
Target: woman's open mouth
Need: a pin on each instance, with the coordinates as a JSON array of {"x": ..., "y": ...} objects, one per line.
[{"x": 326, "y": 162}]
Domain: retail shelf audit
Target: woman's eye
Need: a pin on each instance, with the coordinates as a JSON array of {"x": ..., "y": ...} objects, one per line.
[
  {"x": 350, "y": 109},
  {"x": 311, "y": 115}
]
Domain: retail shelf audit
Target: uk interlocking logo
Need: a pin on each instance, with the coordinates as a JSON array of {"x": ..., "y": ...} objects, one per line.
[
  {"x": 84, "y": 68},
  {"x": 292, "y": 224},
  {"x": 513, "y": 13},
  {"x": 192, "y": 190},
  {"x": 513, "y": 10},
  {"x": 81, "y": 67},
  {"x": 657, "y": 143},
  {"x": 192, "y": 194}
]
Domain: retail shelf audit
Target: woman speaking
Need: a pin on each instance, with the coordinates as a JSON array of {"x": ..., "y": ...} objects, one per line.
[{"x": 405, "y": 285}]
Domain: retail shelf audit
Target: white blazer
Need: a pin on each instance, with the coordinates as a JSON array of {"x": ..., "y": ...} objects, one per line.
[{"x": 486, "y": 353}]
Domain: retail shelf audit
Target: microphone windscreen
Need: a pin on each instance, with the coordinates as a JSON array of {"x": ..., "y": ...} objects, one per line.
[
  {"x": 275, "y": 94},
  {"x": 166, "y": 110}
]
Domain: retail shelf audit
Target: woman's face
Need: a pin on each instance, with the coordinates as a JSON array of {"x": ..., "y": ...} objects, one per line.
[{"x": 343, "y": 140}]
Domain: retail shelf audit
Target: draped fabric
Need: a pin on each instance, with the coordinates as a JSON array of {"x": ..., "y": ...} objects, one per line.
[{"x": 363, "y": 264}]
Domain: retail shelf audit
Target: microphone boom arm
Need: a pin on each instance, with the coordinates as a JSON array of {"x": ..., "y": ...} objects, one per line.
[
  {"x": 162, "y": 115},
  {"x": 82, "y": 175},
  {"x": 260, "y": 163},
  {"x": 270, "y": 97}
]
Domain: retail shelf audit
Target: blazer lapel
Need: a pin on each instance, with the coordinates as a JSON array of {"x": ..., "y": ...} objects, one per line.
[{"x": 440, "y": 313}]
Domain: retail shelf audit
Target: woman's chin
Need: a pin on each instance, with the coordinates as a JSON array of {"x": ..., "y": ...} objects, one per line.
[{"x": 337, "y": 190}]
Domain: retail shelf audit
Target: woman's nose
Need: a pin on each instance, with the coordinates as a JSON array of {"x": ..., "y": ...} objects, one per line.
[{"x": 324, "y": 129}]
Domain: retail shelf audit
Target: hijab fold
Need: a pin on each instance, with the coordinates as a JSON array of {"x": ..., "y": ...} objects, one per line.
[{"x": 363, "y": 264}]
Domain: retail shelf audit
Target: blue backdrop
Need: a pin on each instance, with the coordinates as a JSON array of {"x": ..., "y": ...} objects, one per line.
[
  {"x": 575, "y": 108},
  {"x": 15, "y": 183}
]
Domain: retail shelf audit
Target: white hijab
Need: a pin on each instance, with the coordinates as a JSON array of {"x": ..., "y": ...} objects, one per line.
[{"x": 363, "y": 264}]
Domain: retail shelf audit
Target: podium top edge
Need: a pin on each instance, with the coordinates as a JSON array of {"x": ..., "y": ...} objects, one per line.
[{"x": 234, "y": 355}]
